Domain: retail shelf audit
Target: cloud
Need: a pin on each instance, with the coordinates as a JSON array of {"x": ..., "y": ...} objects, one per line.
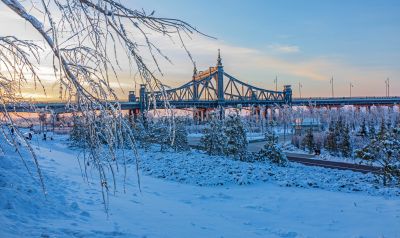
[
  {"x": 286, "y": 49},
  {"x": 255, "y": 66}
]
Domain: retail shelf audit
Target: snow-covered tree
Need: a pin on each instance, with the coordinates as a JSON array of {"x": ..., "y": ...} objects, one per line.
[
  {"x": 141, "y": 132},
  {"x": 371, "y": 130},
  {"x": 236, "y": 137},
  {"x": 345, "y": 144},
  {"x": 308, "y": 141},
  {"x": 159, "y": 133},
  {"x": 363, "y": 129},
  {"x": 272, "y": 151},
  {"x": 82, "y": 38},
  {"x": 214, "y": 139},
  {"x": 331, "y": 143},
  {"x": 384, "y": 150},
  {"x": 179, "y": 137},
  {"x": 382, "y": 129}
]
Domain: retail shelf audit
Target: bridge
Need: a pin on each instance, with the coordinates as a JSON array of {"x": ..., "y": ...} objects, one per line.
[{"x": 214, "y": 88}]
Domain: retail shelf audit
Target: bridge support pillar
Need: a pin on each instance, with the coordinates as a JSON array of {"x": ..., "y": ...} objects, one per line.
[
  {"x": 134, "y": 114},
  {"x": 200, "y": 114},
  {"x": 143, "y": 100},
  {"x": 221, "y": 113},
  {"x": 275, "y": 113},
  {"x": 256, "y": 112}
]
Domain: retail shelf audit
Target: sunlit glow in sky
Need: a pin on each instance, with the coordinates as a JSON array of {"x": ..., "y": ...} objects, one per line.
[{"x": 305, "y": 41}]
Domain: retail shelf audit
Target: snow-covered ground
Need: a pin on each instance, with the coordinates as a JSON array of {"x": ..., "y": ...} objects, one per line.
[
  {"x": 250, "y": 136},
  {"x": 192, "y": 195}
]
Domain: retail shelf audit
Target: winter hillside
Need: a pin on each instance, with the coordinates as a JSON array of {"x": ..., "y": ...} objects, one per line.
[{"x": 191, "y": 194}]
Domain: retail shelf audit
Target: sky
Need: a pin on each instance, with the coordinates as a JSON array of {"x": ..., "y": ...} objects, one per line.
[{"x": 299, "y": 42}]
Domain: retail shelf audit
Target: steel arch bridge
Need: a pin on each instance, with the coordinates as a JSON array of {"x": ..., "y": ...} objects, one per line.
[
  {"x": 214, "y": 88},
  {"x": 211, "y": 89}
]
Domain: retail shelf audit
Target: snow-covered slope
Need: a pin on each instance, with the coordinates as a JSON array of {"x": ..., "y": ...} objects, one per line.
[{"x": 272, "y": 202}]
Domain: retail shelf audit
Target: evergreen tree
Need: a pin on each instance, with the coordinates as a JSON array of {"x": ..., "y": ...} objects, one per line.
[
  {"x": 339, "y": 126},
  {"x": 78, "y": 135},
  {"x": 345, "y": 145},
  {"x": 331, "y": 144},
  {"x": 159, "y": 133},
  {"x": 214, "y": 139},
  {"x": 363, "y": 129},
  {"x": 308, "y": 141},
  {"x": 397, "y": 121},
  {"x": 180, "y": 137},
  {"x": 382, "y": 129},
  {"x": 272, "y": 151},
  {"x": 384, "y": 150},
  {"x": 371, "y": 129},
  {"x": 140, "y": 132},
  {"x": 236, "y": 137}
]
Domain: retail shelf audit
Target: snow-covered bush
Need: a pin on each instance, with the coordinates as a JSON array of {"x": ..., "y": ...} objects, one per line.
[
  {"x": 214, "y": 140},
  {"x": 271, "y": 151},
  {"x": 163, "y": 132},
  {"x": 384, "y": 150},
  {"x": 236, "y": 137},
  {"x": 179, "y": 136}
]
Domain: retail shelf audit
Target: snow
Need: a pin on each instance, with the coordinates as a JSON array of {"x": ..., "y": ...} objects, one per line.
[{"x": 192, "y": 195}]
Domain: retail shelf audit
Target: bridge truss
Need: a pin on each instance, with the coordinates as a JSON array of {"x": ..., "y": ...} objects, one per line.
[{"x": 213, "y": 88}]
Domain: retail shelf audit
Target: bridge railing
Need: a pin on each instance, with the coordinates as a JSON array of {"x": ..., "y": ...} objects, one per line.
[{"x": 349, "y": 98}]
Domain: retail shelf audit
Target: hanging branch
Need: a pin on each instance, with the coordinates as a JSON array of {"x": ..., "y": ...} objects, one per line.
[{"x": 84, "y": 38}]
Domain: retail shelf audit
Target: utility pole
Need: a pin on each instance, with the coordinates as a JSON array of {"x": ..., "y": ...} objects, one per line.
[
  {"x": 331, "y": 81},
  {"x": 276, "y": 83},
  {"x": 351, "y": 85},
  {"x": 300, "y": 86},
  {"x": 387, "y": 82}
]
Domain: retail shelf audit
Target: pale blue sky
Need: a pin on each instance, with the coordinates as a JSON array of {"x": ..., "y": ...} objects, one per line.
[
  {"x": 358, "y": 41},
  {"x": 355, "y": 41}
]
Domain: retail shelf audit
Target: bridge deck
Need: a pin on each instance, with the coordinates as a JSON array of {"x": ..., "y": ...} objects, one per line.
[{"x": 60, "y": 107}]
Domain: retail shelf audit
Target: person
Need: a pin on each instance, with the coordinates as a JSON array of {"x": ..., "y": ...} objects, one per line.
[
  {"x": 44, "y": 136},
  {"x": 30, "y": 136},
  {"x": 12, "y": 130}
]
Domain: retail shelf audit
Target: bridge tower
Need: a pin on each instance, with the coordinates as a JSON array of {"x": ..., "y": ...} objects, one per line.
[
  {"x": 142, "y": 98},
  {"x": 220, "y": 86},
  {"x": 287, "y": 92},
  {"x": 220, "y": 79},
  {"x": 195, "y": 85}
]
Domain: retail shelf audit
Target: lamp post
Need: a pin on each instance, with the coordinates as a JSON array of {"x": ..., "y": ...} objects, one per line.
[
  {"x": 276, "y": 83},
  {"x": 387, "y": 82},
  {"x": 331, "y": 81},
  {"x": 300, "y": 86},
  {"x": 351, "y": 85}
]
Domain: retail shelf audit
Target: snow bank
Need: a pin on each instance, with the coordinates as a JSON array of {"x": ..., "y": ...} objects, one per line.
[{"x": 197, "y": 168}]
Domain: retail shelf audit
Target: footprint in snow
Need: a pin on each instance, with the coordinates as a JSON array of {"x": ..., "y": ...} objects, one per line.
[
  {"x": 85, "y": 214},
  {"x": 186, "y": 201},
  {"x": 224, "y": 196},
  {"x": 74, "y": 206}
]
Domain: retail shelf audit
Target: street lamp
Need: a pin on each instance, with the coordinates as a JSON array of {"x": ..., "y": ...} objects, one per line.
[
  {"x": 300, "y": 86},
  {"x": 331, "y": 81},
  {"x": 387, "y": 82},
  {"x": 351, "y": 85}
]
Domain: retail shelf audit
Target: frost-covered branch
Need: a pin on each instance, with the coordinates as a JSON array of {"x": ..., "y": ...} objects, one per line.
[{"x": 86, "y": 40}]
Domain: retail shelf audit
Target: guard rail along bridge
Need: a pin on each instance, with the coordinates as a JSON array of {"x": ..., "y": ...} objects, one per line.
[{"x": 214, "y": 88}]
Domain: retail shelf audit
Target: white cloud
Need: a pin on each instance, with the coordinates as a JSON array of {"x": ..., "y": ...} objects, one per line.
[{"x": 286, "y": 49}]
